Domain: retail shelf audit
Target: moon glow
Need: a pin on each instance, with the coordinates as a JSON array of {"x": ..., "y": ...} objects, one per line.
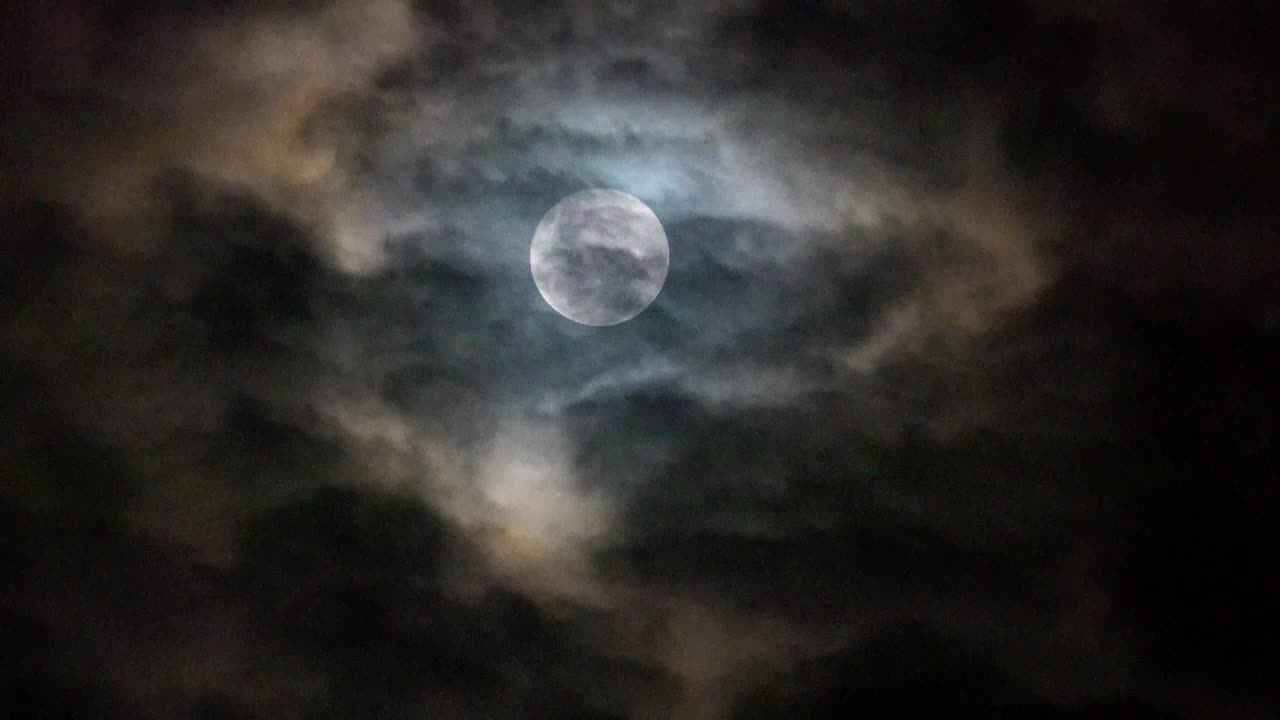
[{"x": 599, "y": 257}]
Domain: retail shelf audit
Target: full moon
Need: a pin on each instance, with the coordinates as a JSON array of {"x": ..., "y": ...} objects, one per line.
[{"x": 599, "y": 257}]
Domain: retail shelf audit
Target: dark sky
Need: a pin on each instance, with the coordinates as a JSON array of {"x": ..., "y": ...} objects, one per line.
[{"x": 960, "y": 396}]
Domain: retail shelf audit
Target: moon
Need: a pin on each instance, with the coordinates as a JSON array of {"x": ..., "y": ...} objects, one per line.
[{"x": 599, "y": 257}]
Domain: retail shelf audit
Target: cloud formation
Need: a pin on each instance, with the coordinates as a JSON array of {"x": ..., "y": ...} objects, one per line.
[{"x": 958, "y": 395}]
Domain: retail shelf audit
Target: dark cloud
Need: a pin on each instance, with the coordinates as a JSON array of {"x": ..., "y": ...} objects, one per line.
[
  {"x": 959, "y": 395},
  {"x": 906, "y": 667}
]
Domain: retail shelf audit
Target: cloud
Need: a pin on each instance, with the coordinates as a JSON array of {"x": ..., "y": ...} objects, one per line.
[
  {"x": 958, "y": 393},
  {"x": 255, "y": 96}
]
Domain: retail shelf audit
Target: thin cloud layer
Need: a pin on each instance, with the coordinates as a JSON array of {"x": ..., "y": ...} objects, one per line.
[{"x": 958, "y": 395}]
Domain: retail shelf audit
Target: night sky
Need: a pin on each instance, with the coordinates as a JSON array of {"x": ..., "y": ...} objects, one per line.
[{"x": 959, "y": 399}]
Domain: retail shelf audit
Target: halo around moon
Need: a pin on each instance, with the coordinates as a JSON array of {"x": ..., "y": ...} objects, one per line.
[{"x": 599, "y": 257}]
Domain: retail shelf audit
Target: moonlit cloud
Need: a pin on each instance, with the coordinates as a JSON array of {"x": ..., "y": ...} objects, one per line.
[{"x": 958, "y": 395}]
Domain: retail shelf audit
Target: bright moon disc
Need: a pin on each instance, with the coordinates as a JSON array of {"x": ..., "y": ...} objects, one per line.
[{"x": 599, "y": 257}]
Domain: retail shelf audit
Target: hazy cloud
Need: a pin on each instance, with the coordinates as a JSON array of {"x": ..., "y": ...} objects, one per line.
[{"x": 958, "y": 395}]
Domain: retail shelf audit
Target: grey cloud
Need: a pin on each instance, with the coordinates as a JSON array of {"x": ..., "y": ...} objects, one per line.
[
  {"x": 333, "y": 594},
  {"x": 958, "y": 394}
]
